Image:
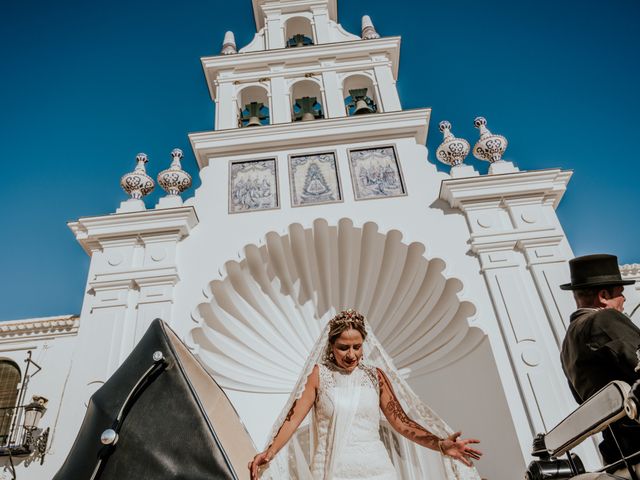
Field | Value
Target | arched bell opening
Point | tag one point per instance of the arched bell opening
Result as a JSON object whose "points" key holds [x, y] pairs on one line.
{"points": [[360, 95], [306, 101], [253, 106], [267, 309], [298, 32]]}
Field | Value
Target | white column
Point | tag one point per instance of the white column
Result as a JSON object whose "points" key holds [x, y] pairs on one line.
{"points": [[280, 107], [226, 106], [275, 33], [387, 87], [321, 25], [522, 251], [333, 95]]}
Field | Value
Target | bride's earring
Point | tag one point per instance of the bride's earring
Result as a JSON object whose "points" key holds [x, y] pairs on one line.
{"points": [[332, 357]]}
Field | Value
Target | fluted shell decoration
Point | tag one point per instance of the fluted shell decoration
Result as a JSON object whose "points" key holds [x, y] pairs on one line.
{"points": [[265, 311], [174, 180], [138, 183], [229, 44], [452, 151], [489, 147], [368, 31]]}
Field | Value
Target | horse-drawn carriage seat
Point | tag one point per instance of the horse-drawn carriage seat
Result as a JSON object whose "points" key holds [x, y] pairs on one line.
{"points": [[160, 416], [613, 402]]}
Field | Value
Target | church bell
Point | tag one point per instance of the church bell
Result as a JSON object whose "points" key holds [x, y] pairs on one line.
{"points": [[252, 115], [307, 109], [360, 102], [362, 107], [253, 122]]}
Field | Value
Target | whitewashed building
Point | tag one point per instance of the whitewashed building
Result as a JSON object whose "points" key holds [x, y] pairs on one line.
{"points": [[317, 195]]}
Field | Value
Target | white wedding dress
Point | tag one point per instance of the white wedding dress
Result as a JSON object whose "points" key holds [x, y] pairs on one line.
{"points": [[348, 414], [344, 432]]}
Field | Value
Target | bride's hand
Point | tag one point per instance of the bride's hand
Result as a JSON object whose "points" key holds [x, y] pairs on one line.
{"points": [[258, 461], [457, 448]]}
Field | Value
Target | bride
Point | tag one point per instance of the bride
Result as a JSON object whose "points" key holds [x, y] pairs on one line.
{"points": [[347, 393]]}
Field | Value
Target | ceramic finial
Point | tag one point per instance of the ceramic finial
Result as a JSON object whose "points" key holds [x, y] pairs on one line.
{"points": [[489, 146], [174, 180], [452, 151], [138, 183]]}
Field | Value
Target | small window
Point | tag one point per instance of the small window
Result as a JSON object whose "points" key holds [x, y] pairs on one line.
{"points": [[9, 381]]}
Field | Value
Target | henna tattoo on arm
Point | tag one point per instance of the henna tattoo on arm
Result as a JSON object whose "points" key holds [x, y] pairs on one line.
{"points": [[400, 421], [287, 418]]}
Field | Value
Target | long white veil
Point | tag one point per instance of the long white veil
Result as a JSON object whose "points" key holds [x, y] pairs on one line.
{"points": [[410, 460]]}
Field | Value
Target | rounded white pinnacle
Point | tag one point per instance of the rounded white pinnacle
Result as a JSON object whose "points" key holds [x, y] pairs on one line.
{"points": [[229, 44], [366, 22], [229, 38], [368, 30]]}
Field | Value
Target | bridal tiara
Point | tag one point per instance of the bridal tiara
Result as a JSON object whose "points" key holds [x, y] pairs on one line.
{"points": [[347, 316]]}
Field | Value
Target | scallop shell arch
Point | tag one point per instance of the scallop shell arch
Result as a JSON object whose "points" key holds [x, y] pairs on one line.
{"points": [[265, 313]]}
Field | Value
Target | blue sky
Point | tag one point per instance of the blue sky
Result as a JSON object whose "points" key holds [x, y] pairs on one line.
{"points": [[84, 86]]}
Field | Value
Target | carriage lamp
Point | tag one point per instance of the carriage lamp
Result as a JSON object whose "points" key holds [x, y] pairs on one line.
{"points": [[33, 412], [33, 442]]}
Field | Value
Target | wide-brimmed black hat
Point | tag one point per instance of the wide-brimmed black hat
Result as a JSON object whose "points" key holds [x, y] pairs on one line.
{"points": [[594, 271]]}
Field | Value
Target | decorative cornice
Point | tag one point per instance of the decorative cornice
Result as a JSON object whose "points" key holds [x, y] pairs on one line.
{"points": [[91, 232], [309, 55], [549, 184], [39, 327], [523, 238], [128, 279], [287, 136], [630, 271]]}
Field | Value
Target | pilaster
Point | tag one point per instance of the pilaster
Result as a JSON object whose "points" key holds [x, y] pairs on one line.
{"points": [[320, 24], [131, 281], [274, 32], [132, 274], [523, 251], [333, 94], [226, 107], [280, 104], [387, 85]]}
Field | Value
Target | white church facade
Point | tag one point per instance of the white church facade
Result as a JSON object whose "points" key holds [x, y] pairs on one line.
{"points": [[317, 195]]}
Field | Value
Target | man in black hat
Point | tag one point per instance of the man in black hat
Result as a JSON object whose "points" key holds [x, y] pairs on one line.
{"points": [[601, 342]]}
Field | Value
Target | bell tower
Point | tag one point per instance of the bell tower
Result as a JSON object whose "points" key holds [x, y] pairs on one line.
{"points": [[301, 66]]}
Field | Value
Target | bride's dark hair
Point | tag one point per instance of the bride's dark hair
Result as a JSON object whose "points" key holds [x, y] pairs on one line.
{"points": [[345, 320]]}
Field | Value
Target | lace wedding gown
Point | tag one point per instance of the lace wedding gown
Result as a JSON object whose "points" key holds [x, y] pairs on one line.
{"points": [[348, 414], [344, 429]]}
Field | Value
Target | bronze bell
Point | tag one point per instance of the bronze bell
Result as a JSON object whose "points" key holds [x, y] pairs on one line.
{"points": [[360, 102], [308, 109], [362, 107], [253, 122], [253, 115], [296, 41]]}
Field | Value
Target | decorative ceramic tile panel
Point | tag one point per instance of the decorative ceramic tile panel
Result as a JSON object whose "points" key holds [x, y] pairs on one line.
{"points": [[375, 173], [253, 185], [314, 179]]}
